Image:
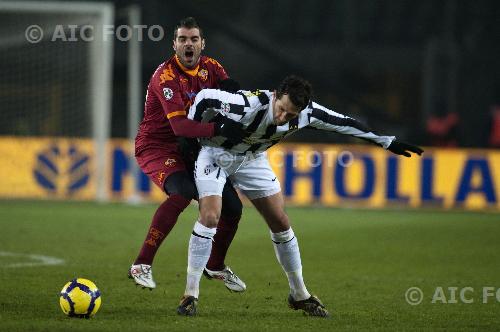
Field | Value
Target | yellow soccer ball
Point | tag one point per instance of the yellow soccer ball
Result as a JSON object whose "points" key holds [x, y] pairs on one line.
{"points": [[80, 298]]}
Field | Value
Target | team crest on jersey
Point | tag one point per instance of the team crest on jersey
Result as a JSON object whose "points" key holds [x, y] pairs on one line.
{"points": [[225, 107], [168, 93], [209, 169], [203, 74]]}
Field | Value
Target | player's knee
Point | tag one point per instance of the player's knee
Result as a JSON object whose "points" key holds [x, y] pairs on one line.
{"points": [[283, 220], [210, 218], [279, 222]]}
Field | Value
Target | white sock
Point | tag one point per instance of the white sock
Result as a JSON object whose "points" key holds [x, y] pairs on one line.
{"points": [[287, 252], [200, 246]]}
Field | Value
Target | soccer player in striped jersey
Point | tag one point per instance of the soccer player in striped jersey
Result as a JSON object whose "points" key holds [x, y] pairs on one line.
{"points": [[267, 117]]}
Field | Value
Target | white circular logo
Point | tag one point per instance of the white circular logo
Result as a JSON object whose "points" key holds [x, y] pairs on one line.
{"points": [[33, 34], [168, 93], [225, 159], [414, 296]]}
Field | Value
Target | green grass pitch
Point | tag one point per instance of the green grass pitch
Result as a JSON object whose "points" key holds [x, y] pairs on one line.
{"points": [[359, 262]]}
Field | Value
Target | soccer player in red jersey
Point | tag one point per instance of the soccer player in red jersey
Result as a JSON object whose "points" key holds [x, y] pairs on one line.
{"points": [[160, 155]]}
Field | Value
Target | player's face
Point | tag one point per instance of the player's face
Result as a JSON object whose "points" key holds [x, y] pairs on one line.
{"points": [[284, 110], [188, 46]]}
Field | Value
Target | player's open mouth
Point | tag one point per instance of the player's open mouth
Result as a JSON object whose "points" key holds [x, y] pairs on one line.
{"points": [[189, 55]]}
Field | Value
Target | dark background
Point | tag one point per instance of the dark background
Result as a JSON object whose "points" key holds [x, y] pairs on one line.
{"points": [[372, 60], [426, 71]]}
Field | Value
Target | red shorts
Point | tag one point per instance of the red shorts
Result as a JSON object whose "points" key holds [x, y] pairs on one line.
{"points": [[158, 163]]}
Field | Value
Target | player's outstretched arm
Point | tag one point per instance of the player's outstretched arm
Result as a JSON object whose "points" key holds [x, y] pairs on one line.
{"points": [[321, 117], [404, 149]]}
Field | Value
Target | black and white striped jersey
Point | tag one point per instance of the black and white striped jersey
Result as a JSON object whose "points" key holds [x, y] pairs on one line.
{"points": [[254, 111]]}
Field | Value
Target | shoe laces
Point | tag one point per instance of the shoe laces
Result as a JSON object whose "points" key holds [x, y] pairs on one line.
{"points": [[146, 270], [230, 273]]}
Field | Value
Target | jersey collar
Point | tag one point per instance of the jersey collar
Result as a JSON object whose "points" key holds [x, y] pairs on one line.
{"points": [[192, 72]]}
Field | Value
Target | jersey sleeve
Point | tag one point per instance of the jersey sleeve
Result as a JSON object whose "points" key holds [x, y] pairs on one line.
{"points": [[320, 117], [211, 102], [221, 72], [168, 92], [217, 69]]}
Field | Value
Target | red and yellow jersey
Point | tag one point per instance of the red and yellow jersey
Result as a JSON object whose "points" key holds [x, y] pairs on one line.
{"points": [[171, 90]]}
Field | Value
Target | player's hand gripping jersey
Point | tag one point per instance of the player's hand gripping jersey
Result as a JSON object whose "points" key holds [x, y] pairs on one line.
{"points": [[254, 111]]}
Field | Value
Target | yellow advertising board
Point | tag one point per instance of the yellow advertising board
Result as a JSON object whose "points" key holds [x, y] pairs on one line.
{"points": [[326, 175], [47, 168], [353, 175]]}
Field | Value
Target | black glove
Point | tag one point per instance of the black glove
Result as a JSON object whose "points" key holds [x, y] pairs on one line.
{"points": [[402, 148], [189, 148], [230, 129], [229, 85]]}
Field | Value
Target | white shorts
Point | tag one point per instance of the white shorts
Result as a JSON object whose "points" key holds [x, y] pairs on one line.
{"points": [[250, 173]]}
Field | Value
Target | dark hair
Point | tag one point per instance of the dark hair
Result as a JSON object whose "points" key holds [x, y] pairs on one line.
{"points": [[188, 23], [298, 90]]}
